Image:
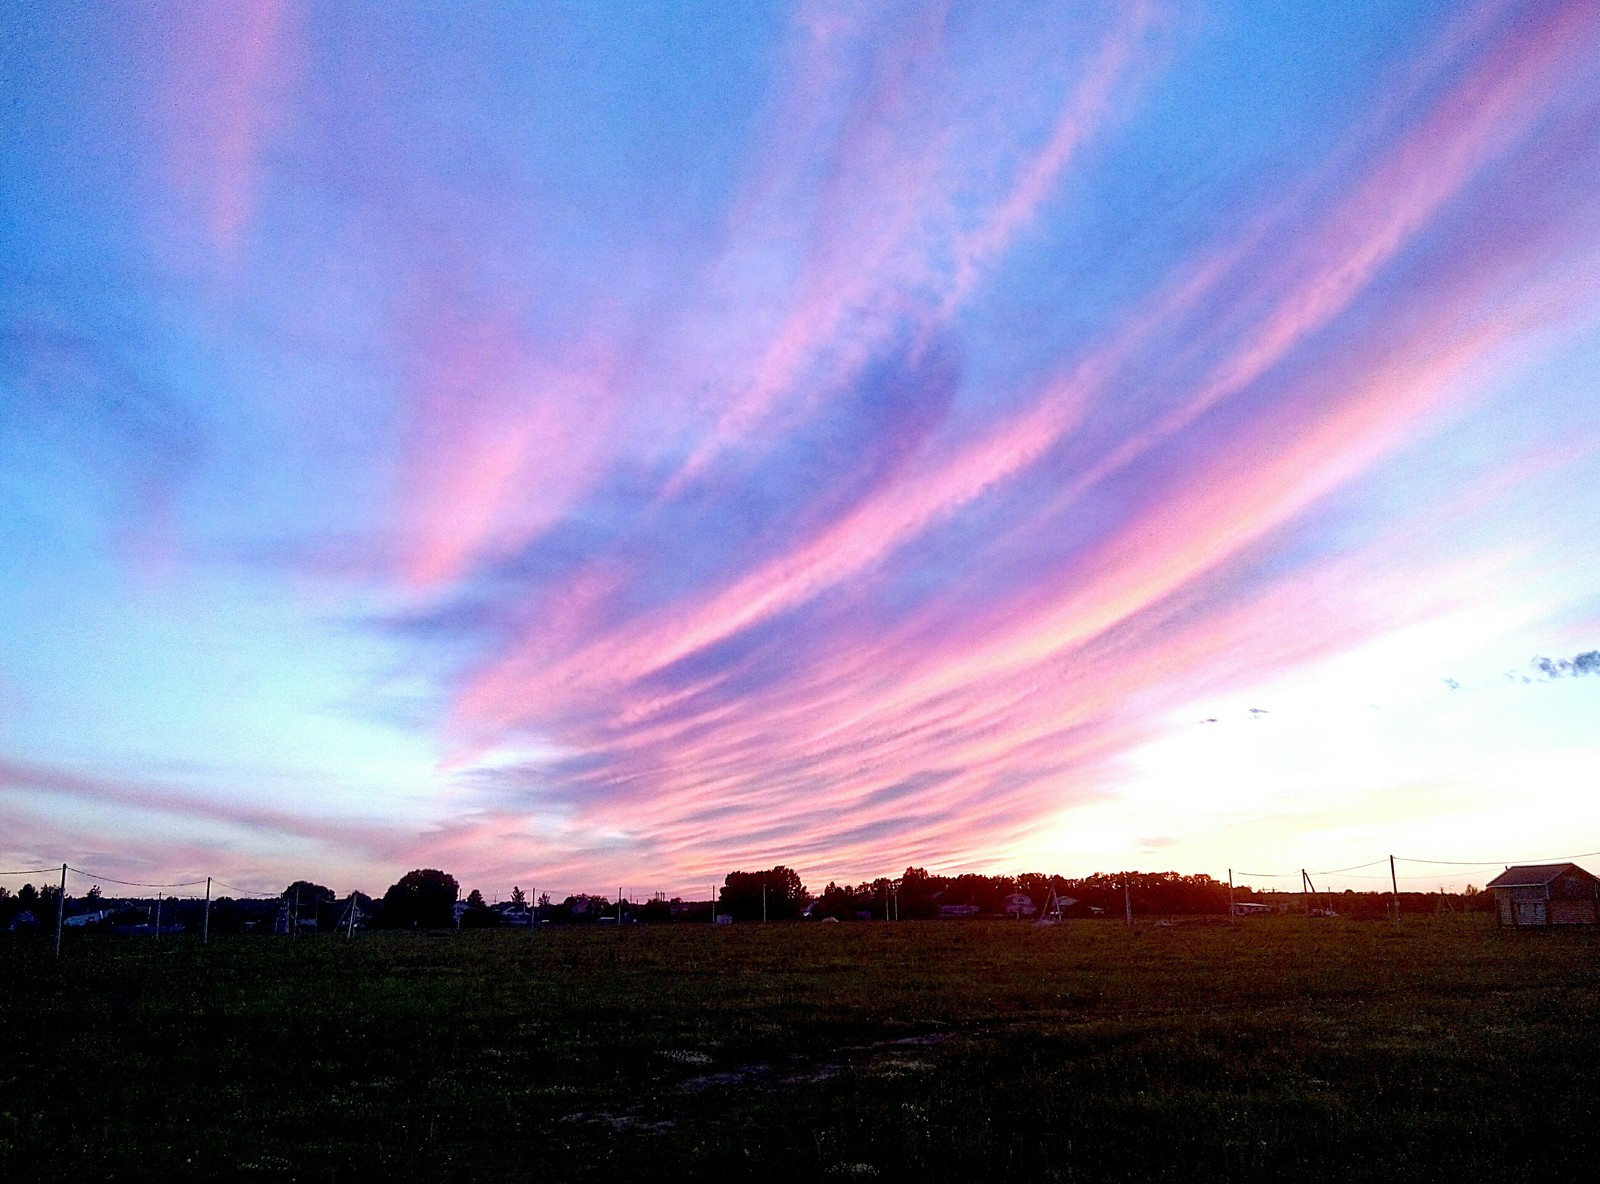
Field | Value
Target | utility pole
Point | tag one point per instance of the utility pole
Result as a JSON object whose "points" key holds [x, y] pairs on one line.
{"points": [[61, 909], [205, 925], [619, 908], [158, 915], [1232, 917], [1394, 889], [763, 904], [1127, 901], [350, 925], [1305, 891]]}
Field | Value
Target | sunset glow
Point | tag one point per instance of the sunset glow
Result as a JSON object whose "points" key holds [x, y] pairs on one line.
{"points": [[583, 445]]}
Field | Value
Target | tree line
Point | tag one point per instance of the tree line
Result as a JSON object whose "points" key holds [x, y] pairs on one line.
{"points": [[427, 898]]}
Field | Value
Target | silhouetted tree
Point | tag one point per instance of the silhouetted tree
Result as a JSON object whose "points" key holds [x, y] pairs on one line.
{"points": [[309, 903], [655, 911], [919, 893], [837, 901], [987, 892], [478, 915], [741, 895], [579, 909], [421, 899]]}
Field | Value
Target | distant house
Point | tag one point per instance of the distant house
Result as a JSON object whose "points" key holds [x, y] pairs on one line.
{"points": [[958, 910], [1019, 905], [515, 915], [1250, 908], [1546, 894]]}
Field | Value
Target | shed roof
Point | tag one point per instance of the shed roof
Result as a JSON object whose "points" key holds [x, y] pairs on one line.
{"points": [[1535, 875]]}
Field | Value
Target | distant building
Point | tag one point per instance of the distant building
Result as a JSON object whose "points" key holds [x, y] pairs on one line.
{"points": [[1250, 908], [1019, 905], [515, 915], [958, 910], [1546, 894]]}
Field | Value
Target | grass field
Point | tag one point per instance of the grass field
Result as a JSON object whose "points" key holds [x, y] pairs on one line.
{"points": [[1283, 1049]]}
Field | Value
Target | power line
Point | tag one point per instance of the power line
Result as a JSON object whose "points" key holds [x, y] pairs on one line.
{"points": [[1334, 871], [244, 891], [32, 871], [134, 883], [1461, 863], [1497, 862]]}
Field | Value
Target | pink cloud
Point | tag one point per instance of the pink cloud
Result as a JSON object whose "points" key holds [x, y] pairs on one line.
{"points": [[893, 218], [1381, 212], [344, 835], [504, 432], [225, 97], [1006, 703]]}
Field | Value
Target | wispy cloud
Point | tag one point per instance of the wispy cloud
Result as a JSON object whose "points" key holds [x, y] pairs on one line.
{"points": [[834, 504], [228, 74], [671, 704]]}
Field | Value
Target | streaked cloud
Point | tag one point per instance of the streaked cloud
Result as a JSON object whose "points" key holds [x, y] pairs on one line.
{"points": [[931, 434]]}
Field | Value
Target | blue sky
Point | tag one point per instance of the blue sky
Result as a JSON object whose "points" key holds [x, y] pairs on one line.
{"points": [[587, 443]]}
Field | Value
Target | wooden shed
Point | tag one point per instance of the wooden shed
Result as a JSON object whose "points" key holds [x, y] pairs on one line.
{"points": [[1546, 894]]}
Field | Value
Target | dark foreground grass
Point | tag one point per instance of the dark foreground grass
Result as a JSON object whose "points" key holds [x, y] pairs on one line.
{"points": [[1284, 1049]]}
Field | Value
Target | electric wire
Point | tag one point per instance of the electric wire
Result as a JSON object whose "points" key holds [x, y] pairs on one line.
{"points": [[134, 883], [1334, 871], [243, 891], [1499, 862]]}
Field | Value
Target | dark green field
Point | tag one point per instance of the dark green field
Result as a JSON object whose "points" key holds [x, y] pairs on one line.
{"points": [[1283, 1049]]}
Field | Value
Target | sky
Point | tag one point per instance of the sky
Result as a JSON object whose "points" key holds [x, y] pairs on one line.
{"points": [[583, 445]]}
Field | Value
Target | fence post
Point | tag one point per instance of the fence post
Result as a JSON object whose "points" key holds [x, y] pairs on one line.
{"points": [[61, 908]]}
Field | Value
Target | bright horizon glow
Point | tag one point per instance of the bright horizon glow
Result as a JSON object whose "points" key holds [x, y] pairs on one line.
{"points": [[578, 449]]}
